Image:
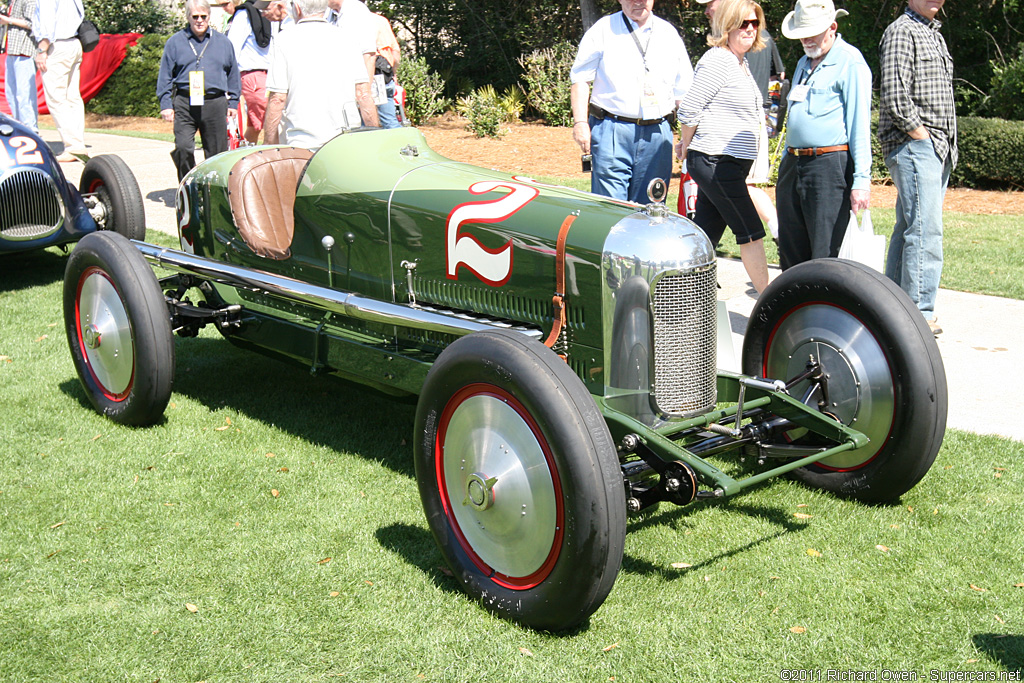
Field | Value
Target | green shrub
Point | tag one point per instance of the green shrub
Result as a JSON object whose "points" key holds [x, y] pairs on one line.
{"points": [[485, 112], [133, 16], [546, 73], [512, 103], [991, 153], [131, 90], [424, 90], [1006, 96]]}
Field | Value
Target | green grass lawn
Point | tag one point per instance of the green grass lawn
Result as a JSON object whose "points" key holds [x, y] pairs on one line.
{"points": [[283, 509]]}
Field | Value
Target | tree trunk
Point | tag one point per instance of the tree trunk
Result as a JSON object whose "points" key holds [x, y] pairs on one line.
{"points": [[588, 11]]}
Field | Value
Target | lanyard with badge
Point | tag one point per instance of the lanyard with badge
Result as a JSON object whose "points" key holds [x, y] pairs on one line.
{"points": [[649, 98], [799, 92], [196, 77]]}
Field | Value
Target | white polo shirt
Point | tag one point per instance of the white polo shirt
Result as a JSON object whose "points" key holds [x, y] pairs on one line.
{"points": [[320, 102]]}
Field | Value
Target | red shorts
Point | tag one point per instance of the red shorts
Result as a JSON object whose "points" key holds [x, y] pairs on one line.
{"points": [[254, 92]]}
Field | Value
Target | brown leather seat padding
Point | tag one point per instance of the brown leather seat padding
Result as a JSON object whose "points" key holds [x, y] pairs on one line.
{"points": [[261, 191]]}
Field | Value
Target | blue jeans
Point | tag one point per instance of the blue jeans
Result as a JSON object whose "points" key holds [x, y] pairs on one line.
{"points": [[20, 87], [914, 261], [386, 112], [627, 157]]}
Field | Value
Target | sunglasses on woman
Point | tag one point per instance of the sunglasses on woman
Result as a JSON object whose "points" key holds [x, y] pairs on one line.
{"points": [[750, 23]]}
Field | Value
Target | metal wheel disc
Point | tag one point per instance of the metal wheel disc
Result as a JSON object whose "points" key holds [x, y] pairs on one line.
{"points": [[860, 384], [105, 334], [499, 485]]}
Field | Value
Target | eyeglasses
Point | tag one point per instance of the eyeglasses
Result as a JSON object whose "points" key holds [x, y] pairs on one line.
{"points": [[750, 23], [200, 17]]}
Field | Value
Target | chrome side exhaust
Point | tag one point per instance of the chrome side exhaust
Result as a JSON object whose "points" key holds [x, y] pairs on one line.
{"points": [[342, 303]]}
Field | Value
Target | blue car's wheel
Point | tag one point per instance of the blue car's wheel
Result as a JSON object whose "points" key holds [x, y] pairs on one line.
{"points": [[111, 181], [520, 480], [118, 329]]}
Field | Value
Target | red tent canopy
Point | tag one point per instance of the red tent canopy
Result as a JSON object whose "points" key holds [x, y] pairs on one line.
{"points": [[97, 66]]}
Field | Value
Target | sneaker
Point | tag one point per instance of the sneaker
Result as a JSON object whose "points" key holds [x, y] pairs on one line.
{"points": [[66, 157], [933, 325]]}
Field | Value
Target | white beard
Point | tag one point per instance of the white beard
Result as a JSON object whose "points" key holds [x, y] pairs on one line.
{"points": [[814, 52]]}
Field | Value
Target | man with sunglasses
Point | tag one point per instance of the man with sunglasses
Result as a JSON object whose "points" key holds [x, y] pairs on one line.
{"points": [[198, 87], [826, 169]]}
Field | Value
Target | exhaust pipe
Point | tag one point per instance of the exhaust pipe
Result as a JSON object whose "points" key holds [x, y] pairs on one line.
{"points": [[334, 301]]}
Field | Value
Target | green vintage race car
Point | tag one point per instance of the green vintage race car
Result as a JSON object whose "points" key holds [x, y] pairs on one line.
{"points": [[561, 347]]}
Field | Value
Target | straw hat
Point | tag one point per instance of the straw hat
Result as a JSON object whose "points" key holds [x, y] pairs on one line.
{"points": [[810, 18]]}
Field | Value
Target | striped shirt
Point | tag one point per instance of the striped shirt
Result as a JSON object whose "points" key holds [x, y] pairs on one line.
{"points": [[724, 104], [917, 85]]}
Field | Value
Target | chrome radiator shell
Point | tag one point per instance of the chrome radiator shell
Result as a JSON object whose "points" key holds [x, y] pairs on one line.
{"points": [[659, 286], [30, 205]]}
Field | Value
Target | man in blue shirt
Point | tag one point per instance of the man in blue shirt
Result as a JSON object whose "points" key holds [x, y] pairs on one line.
{"points": [[826, 169], [198, 87]]}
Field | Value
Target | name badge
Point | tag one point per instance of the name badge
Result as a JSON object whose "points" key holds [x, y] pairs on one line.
{"points": [[649, 100], [196, 88], [379, 90], [798, 93]]}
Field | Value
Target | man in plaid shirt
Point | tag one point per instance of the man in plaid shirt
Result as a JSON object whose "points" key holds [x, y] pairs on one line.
{"points": [[20, 75], [917, 129]]}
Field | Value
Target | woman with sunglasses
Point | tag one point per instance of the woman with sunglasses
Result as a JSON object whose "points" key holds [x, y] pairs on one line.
{"points": [[721, 118]]}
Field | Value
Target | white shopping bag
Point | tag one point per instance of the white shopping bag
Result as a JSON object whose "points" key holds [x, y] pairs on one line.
{"points": [[862, 245]]}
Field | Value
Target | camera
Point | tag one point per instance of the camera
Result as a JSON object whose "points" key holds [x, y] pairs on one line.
{"points": [[587, 161]]}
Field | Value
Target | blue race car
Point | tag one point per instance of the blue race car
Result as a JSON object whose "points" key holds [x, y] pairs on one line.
{"points": [[39, 208]]}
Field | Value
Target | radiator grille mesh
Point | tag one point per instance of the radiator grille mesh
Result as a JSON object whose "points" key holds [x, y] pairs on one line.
{"points": [[685, 342], [30, 205]]}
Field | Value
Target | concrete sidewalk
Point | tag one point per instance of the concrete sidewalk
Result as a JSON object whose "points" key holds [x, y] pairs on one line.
{"points": [[981, 344], [982, 341]]}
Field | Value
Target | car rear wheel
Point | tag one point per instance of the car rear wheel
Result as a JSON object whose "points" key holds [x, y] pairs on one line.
{"points": [[885, 374], [112, 182], [118, 329], [520, 480]]}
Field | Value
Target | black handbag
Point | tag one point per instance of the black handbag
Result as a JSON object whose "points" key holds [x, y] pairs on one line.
{"points": [[88, 36], [383, 66]]}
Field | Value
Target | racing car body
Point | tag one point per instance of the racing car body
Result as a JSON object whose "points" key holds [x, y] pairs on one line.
{"points": [[39, 208], [560, 346]]}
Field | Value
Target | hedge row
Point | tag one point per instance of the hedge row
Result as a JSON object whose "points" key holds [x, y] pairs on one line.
{"points": [[991, 153], [991, 150], [131, 90]]}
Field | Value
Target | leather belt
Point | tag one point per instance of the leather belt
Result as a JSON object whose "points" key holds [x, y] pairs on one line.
{"points": [[213, 95], [600, 113], [816, 151], [249, 71]]}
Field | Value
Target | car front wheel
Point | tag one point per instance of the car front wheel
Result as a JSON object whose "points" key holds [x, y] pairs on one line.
{"points": [[110, 180], [118, 329], [884, 374], [520, 480]]}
